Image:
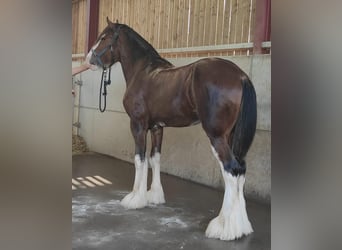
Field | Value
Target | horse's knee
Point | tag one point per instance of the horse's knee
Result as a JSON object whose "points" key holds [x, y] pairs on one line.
{"points": [[234, 168]]}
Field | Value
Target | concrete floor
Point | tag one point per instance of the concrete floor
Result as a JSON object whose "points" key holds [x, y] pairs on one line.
{"points": [[99, 221]]}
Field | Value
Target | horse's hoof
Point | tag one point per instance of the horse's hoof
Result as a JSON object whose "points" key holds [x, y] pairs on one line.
{"points": [[134, 200], [155, 196], [215, 228], [228, 228]]}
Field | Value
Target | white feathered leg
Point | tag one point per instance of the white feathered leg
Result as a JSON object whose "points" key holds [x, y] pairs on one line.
{"points": [[232, 221], [138, 197], [156, 194]]}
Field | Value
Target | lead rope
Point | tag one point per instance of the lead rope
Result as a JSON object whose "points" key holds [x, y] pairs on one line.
{"points": [[104, 83]]}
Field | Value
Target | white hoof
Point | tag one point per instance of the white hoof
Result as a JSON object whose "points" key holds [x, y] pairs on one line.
{"points": [[230, 228], [155, 196], [134, 200]]}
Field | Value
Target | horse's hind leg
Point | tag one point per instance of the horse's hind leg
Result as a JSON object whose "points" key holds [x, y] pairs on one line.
{"points": [[232, 221], [156, 194], [138, 197]]}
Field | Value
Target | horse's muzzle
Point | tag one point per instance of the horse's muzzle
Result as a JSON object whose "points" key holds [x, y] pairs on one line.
{"points": [[93, 60]]}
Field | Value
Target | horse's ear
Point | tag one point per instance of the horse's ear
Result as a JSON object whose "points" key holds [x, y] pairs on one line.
{"points": [[108, 21]]}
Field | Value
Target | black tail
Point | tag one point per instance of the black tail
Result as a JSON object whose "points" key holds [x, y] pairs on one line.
{"points": [[244, 130]]}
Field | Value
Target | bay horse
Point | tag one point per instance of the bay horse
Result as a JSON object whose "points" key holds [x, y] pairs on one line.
{"points": [[210, 91]]}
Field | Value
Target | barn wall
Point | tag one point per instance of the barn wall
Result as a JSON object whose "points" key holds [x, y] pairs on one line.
{"points": [[186, 151], [79, 26], [175, 23]]}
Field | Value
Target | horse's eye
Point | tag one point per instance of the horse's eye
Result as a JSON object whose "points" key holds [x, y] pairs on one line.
{"points": [[103, 38]]}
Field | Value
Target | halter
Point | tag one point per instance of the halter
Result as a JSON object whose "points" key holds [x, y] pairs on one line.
{"points": [[109, 46], [104, 80]]}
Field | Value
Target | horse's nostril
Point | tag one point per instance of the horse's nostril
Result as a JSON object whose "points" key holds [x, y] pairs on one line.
{"points": [[92, 60]]}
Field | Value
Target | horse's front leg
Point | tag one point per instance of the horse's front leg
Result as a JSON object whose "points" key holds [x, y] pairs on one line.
{"points": [[138, 197], [156, 194]]}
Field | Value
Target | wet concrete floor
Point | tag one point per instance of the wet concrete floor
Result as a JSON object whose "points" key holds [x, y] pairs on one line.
{"points": [[100, 222]]}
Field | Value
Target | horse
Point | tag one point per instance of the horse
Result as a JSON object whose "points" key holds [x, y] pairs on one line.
{"points": [[211, 91]]}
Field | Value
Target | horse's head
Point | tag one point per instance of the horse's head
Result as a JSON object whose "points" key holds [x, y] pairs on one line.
{"points": [[105, 51]]}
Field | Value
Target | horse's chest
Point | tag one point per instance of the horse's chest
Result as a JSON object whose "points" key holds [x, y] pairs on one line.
{"points": [[134, 105]]}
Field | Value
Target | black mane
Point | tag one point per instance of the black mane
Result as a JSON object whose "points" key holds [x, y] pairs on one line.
{"points": [[145, 48]]}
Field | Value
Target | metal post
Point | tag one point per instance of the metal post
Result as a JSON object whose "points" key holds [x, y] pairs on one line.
{"points": [[93, 7], [262, 30]]}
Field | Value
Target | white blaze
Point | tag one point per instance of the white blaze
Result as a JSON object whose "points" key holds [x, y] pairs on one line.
{"points": [[90, 53]]}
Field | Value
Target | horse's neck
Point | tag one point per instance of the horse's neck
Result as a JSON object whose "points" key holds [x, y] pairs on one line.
{"points": [[127, 67], [128, 64]]}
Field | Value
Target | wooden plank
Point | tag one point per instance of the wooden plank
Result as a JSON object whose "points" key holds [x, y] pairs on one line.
{"points": [[207, 13], [239, 22], [130, 11], [193, 5], [175, 20], [143, 18], [78, 28], [118, 12], [159, 28], [242, 15], [238, 26], [83, 26], [166, 34], [245, 21], [212, 22], [135, 10], [125, 11], [101, 13], [156, 24], [104, 15], [180, 23], [74, 27], [252, 21], [219, 23], [137, 19], [226, 22], [180, 31], [80, 31], [185, 30], [163, 25], [152, 23], [147, 15], [200, 29], [140, 14], [112, 9], [107, 12], [233, 17], [121, 12]]}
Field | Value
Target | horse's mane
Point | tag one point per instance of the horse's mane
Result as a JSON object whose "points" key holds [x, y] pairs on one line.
{"points": [[146, 49]]}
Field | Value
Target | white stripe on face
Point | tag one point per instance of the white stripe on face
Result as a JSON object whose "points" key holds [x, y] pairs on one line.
{"points": [[90, 53]]}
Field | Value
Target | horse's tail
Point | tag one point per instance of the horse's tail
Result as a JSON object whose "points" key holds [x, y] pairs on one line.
{"points": [[245, 126]]}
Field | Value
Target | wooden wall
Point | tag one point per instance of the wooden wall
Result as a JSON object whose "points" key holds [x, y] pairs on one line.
{"points": [[79, 26], [179, 23]]}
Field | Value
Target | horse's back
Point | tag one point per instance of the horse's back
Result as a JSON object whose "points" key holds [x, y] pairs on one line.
{"points": [[217, 68]]}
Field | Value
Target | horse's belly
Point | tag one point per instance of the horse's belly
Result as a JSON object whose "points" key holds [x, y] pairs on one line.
{"points": [[177, 121]]}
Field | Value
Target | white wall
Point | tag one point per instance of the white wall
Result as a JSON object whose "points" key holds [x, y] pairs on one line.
{"points": [[185, 151]]}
